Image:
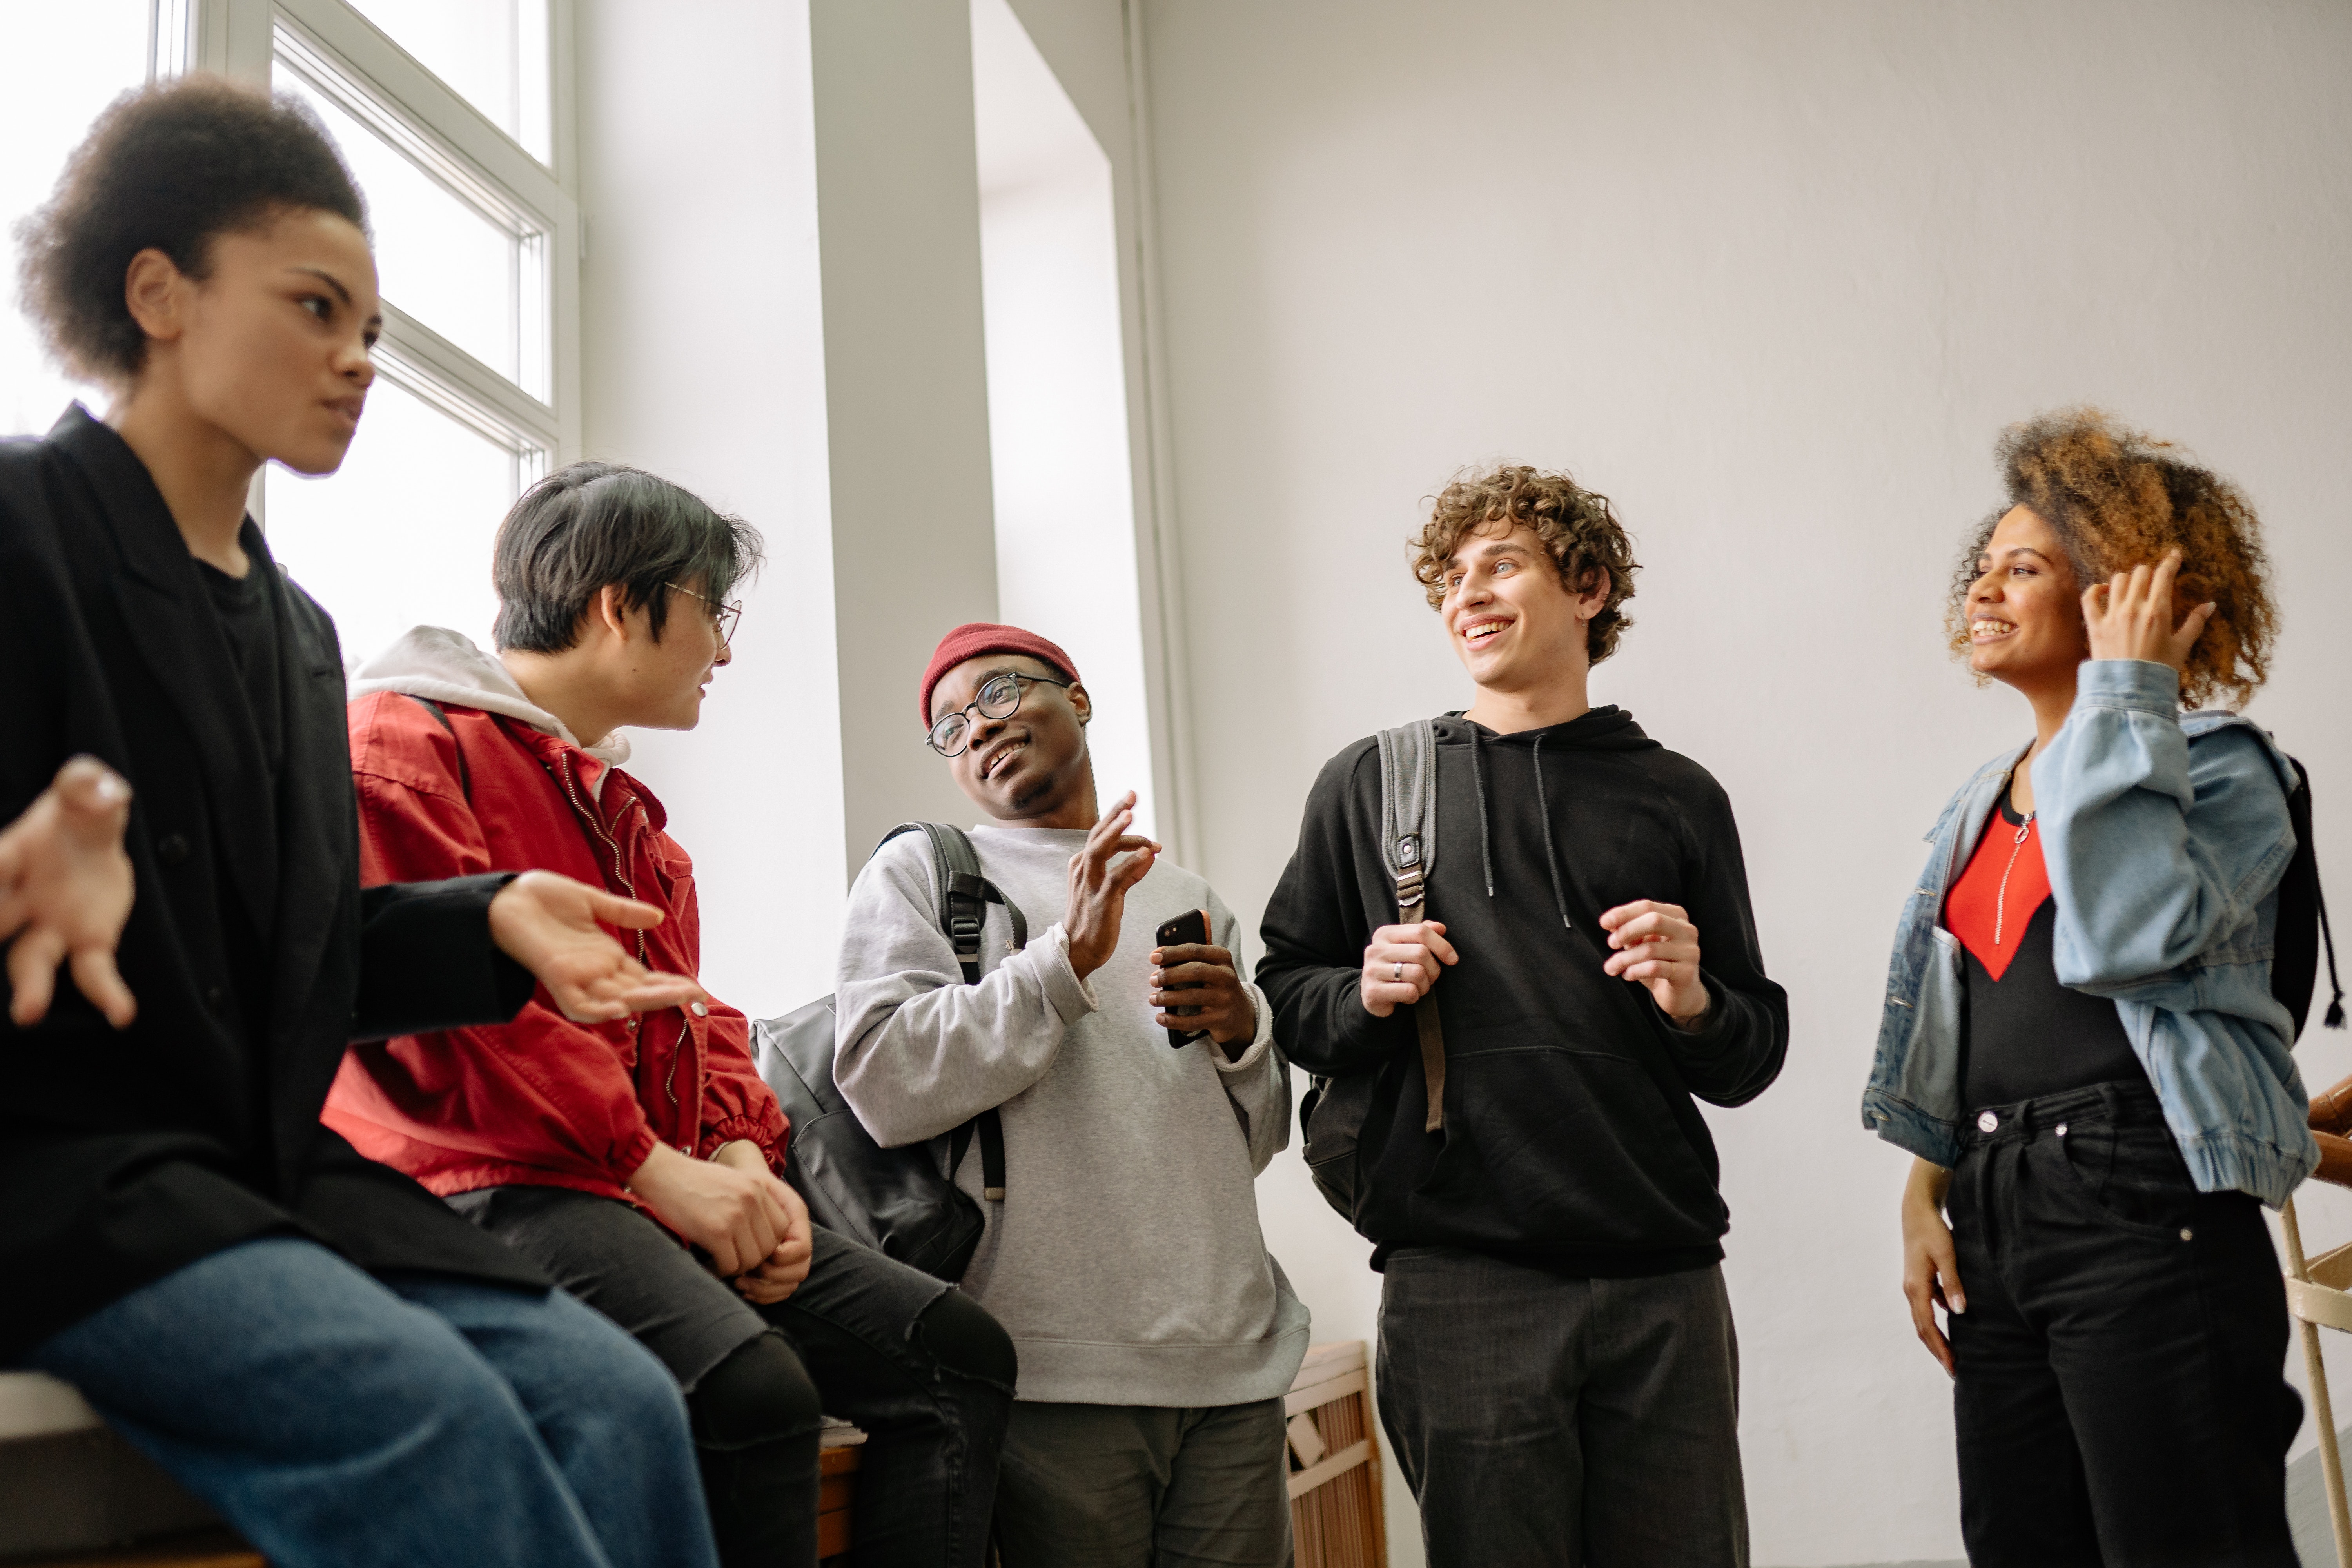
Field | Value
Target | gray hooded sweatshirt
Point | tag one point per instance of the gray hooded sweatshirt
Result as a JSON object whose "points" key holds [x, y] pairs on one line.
{"points": [[1126, 1259]]}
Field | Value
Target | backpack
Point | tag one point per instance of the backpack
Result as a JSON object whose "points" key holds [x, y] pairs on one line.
{"points": [[2301, 929], [902, 1202], [1333, 1112]]}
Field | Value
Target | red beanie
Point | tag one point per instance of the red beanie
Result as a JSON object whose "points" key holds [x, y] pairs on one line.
{"points": [[976, 638]]}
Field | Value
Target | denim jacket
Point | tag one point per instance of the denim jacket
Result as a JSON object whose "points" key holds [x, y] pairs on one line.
{"points": [[2166, 836]]}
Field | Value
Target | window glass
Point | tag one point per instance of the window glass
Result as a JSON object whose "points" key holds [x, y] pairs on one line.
{"points": [[60, 66], [400, 536], [438, 256], [491, 53]]}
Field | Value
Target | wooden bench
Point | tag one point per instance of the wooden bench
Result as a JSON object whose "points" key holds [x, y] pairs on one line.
{"points": [[59, 1462], [1336, 1518]]}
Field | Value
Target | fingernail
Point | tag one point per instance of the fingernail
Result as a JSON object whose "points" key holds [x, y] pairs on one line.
{"points": [[1959, 1304]]}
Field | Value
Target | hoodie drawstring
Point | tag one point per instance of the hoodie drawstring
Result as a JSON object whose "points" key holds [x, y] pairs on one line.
{"points": [[1478, 788], [1551, 857]]}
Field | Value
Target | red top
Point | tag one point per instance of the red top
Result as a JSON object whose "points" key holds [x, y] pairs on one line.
{"points": [[1994, 900], [540, 1100]]}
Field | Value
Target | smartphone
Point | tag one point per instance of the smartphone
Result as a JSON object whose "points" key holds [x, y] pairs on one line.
{"points": [[1192, 926]]}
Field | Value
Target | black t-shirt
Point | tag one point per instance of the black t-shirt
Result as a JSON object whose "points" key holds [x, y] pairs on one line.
{"points": [[247, 613], [2026, 1034]]}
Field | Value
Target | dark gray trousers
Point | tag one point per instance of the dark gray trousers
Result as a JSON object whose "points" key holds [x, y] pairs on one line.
{"points": [[1136, 1485], [1545, 1419]]}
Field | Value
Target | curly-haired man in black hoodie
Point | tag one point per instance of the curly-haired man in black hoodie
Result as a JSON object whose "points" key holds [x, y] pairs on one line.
{"points": [[1557, 1368]]}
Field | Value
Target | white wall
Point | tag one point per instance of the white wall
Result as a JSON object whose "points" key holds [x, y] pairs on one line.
{"points": [[703, 360], [1772, 278], [1057, 414]]}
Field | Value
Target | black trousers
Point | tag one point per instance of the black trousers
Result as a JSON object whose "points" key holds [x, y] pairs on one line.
{"points": [[2120, 1400], [1541, 1419], [917, 1364]]}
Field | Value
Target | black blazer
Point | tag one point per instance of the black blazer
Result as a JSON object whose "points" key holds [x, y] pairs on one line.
{"points": [[126, 1155]]}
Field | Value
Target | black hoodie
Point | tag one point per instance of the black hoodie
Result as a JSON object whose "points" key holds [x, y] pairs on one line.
{"points": [[1571, 1139]]}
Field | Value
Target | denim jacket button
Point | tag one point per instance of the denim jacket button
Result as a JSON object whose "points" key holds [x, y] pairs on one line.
{"points": [[1987, 1122], [2060, 1130], [2186, 1234]]}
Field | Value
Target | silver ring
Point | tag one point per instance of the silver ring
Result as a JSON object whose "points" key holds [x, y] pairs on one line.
{"points": [[1399, 977]]}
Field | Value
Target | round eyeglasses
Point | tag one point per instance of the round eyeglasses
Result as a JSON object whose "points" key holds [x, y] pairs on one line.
{"points": [[999, 697], [724, 617]]}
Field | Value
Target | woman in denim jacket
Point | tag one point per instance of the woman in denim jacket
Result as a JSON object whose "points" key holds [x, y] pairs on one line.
{"points": [[2080, 1045]]}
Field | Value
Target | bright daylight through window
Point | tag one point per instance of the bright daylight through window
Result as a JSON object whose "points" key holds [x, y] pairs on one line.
{"points": [[443, 110]]}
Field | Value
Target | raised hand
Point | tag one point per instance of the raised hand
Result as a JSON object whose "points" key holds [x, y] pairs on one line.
{"points": [[737, 1216], [1400, 963], [66, 891], [548, 923], [1098, 885], [2129, 615], [1203, 976], [1657, 948]]}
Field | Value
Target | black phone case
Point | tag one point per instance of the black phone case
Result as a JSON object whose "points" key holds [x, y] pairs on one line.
{"points": [[1192, 926]]}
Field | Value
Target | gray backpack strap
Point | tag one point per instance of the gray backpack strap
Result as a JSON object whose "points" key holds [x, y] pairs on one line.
{"points": [[1409, 847]]}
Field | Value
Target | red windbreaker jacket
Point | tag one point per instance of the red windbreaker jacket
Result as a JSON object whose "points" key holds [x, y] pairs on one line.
{"points": [[541, 1099]]}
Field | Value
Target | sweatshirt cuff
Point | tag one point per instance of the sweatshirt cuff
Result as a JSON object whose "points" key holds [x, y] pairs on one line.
{"points": [[2131, 684], [1066, 991], [1261, 1043], [1715, 1023]]}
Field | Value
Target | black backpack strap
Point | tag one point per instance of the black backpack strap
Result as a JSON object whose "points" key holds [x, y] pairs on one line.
{"points": [[2303, 932], [964, 896], [464, 775]]}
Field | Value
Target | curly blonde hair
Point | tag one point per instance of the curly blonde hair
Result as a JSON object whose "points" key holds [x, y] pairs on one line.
{"points": [[2118, 497], [1577, 526]]}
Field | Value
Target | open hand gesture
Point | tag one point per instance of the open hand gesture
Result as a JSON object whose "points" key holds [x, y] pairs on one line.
{"points": [[66, 890], [548, 923], [2129, 615], [1098, 885], [1657, 948]]}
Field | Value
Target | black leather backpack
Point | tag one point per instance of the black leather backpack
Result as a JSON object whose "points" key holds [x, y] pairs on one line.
{"points": [[902, 1202]]}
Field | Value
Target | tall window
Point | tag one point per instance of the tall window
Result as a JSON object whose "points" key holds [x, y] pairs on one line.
{"points": [[447, 112], [61, 65]]}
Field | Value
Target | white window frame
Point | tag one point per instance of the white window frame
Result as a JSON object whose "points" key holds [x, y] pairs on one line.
{"points": [[456, 145]]}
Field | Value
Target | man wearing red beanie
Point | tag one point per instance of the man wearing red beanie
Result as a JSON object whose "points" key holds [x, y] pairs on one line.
{"points": [[1156, 1336]]}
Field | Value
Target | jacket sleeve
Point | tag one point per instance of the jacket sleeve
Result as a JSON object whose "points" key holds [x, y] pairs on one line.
{"points": [[1315, 931], [1738, 1047], [2157, 850], [568, 1081], [737, 1103], [1257, 1081], [426, 960], [917, 1052]]}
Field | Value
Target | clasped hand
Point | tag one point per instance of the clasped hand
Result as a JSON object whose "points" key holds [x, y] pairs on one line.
{"points": [[755, 1227]]}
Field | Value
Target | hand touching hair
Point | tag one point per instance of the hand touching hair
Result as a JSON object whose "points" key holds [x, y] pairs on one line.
{"points": [[2119, 498]]}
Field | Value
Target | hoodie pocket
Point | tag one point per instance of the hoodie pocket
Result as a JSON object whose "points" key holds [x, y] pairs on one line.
{"points": [[1551, 1143]]}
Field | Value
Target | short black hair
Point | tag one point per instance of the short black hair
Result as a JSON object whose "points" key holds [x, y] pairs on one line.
{"points": [[168, 167], [595, 525]]}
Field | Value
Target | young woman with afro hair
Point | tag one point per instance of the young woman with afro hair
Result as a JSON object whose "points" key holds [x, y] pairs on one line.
{"points": [[2080, 1048], [346, 1370]]}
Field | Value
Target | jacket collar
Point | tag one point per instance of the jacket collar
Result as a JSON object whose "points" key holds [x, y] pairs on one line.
{"points": [[176, 635]]}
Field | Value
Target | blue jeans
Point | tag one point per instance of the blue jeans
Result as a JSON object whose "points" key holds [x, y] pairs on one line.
{"points": [[336, 1419]]}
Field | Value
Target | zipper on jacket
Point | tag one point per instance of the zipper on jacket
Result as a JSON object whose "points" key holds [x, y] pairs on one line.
{"points": [[564, 776]]}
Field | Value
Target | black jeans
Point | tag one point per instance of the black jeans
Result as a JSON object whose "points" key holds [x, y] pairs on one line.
{"points": [[917, 1364], [2120, 1399], [1544, 1419]]}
